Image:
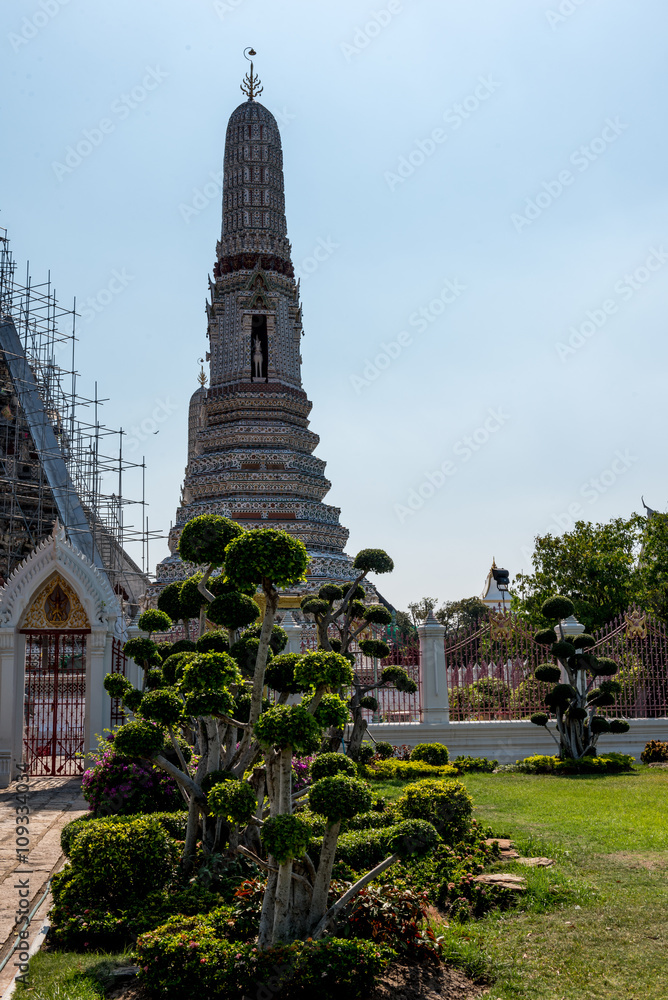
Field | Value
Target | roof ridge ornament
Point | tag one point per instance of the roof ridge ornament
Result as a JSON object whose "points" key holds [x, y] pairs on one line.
{"points": [[251, 85]]}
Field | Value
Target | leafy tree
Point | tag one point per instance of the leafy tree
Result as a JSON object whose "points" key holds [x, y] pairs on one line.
{"points": [[575, 702], [470, 612], [420, 609], [597, 564]]}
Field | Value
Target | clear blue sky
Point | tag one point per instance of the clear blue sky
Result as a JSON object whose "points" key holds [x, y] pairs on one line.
{"points": [[507, 147]]}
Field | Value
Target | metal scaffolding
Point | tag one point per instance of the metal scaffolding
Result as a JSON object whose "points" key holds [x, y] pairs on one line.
{"points": [[57, 460]]}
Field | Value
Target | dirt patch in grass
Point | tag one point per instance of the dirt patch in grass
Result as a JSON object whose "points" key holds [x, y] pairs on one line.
{"points": [[647, 860], [425, 982]]}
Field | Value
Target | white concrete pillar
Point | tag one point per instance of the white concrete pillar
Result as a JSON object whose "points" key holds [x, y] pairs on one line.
{"points": [[435, 707], [294, 631], [98, 704], [8, 714]]}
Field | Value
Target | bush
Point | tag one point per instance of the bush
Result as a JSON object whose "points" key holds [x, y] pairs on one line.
{"points": [[482, 764], [608, 763], [174, 823], [384, 750], [431, 753], [384, 770], [655, 752], [365, 753], [395, 917], [446, 804], [119, 861], [186, 958], [362, 849], [118, 785]]}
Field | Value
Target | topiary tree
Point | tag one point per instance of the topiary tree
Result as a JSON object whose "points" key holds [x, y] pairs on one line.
{"points": [[341, 608], [239, 787], [574, 700]]}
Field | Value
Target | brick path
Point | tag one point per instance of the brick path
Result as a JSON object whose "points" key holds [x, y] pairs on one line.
{"points": [[53, 802]]}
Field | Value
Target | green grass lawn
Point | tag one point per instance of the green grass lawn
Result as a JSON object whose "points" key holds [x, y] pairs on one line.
{"points": [[69, 976], [609, 835]]}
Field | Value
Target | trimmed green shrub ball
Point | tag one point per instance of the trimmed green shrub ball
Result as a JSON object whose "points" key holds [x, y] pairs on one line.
{"points": [[116, 685], [266, 554], [545, 637], [540, 719], [619, 726], [373, 561], [183, 646], [209, 703], [322, 668], [562, 693], [339, 797], [209, 672], [605, 667], [139, 739], [375, 648], [285, 837], [215, 778], [444, 803], [369, 702], [163, 707], [154, 620], [562, 649], [154, 679], [233, 610], [365, 753], [583, 641], [214, 641], [288, 725], [599, 725], [280, 673], [132, 699], [431, 753], [399, 678], [204, 539], [332, 712], [384, 750], [548, 672], [233, 800], [169, 600], [556, 608], [330, 592], [575, 712], [326, 765], [378, 614], [142, 650], [314, 606], [414, 838]]}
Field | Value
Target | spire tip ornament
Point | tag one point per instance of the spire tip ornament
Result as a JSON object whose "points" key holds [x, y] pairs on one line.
{"points": [[251, 85], [202, 378]]}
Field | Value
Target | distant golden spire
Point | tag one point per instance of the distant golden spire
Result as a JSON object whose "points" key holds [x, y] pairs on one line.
{"points": [[201, 378], [251, 85]]}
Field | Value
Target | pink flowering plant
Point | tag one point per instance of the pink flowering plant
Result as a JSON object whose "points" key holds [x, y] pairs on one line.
{"points": [[118, 785]]}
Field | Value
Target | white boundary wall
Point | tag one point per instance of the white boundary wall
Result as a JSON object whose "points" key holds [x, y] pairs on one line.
{"points": [[503, 741]]}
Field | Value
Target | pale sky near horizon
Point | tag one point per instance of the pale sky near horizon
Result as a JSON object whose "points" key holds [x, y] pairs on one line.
{"points": [[476, 199]]}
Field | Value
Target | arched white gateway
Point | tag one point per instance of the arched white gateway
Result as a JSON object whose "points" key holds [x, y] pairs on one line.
{"points": [[58, 620]]}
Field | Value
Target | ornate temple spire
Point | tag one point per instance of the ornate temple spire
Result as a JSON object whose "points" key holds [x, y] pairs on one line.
{"points": [[251, 85]]}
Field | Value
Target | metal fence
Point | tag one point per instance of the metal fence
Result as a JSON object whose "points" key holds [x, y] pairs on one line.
{"points": [[490, 669]]}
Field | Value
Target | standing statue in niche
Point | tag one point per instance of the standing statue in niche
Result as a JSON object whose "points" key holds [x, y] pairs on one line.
{"points": [[258, 358]]}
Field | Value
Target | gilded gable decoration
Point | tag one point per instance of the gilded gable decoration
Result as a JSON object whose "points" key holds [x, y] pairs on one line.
{"points": [[55, 606]]}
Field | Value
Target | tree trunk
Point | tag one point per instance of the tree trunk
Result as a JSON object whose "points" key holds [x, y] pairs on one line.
{"points": [[359, 729], [324, 874], [243, 756], [282, 904], [267, 915], [347, 896]]}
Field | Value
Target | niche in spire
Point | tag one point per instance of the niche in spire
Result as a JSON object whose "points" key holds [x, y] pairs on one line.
{"points": [[259, 348]]}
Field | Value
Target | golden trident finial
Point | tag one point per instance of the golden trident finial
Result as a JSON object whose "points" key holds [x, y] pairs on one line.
{"points": [[201, 378], [251, 85]]}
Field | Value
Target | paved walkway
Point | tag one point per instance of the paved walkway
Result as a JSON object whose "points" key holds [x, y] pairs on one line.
{"points": [[53, 802]]}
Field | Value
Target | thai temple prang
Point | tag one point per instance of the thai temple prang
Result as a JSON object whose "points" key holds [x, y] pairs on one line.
{"points": [[250, 450]]}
